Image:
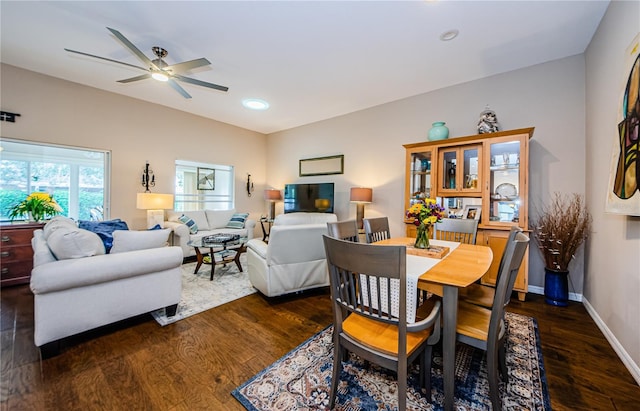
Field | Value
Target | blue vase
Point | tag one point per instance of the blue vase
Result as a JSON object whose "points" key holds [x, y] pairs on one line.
{"points": [[439, 131], [556, 287]]}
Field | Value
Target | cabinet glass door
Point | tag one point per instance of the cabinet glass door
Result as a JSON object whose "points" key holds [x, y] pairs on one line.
{"points": [[420, 183], [460, 170], [505, 182], [448, 169]]}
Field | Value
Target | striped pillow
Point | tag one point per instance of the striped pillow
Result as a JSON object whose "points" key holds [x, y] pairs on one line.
{"points": [[193, 227], [237, 220]]}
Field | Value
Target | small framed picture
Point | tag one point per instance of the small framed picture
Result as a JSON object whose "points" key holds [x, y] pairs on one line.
{"points": [[206, 179], [472, 212]]}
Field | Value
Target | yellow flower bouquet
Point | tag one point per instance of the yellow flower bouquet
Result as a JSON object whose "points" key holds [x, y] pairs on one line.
{"points": [[425, 214], [37, 206]]}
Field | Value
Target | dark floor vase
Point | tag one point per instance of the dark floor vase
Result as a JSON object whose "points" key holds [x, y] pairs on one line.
{"points": [[556, 287]]}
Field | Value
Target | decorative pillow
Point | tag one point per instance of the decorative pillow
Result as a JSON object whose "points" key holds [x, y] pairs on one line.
{"points": [[237, 220], [124, 241], [74, 243], [104, 229], [193, 227], [57, 223]]}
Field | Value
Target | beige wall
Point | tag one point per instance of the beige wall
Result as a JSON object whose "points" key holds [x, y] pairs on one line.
{"points": [[61, 112], [549, 97], [612, 280]]}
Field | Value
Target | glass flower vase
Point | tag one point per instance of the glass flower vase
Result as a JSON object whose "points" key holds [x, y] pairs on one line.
{"points": [[422, 236]]}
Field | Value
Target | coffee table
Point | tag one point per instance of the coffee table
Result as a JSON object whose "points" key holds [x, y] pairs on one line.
{"points": [[219, 253]]}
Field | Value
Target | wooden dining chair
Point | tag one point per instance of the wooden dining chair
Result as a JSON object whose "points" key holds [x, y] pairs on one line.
{"points": [[451, 229], [376, 229], [344, 230], [480, 294], [456, 229], [357, 275], [485, 328]]}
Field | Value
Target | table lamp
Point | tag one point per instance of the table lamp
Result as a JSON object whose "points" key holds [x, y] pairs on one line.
{"points": [[272, 196], [360, 196], [155, 204]]}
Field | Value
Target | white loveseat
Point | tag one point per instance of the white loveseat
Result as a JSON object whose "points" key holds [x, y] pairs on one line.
{"points": [[84, 288], [294, 259], [208, 221]]}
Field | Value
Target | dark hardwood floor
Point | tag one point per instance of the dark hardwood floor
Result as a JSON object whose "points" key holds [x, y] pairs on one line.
{"points": [[195, 363]]}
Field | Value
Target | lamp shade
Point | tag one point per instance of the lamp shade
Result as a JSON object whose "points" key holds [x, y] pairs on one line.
{"points": [[272, 195], [361, 195], [153, 201]]}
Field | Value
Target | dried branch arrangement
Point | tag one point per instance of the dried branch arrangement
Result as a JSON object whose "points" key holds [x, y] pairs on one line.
{"points": [[561, 227]]}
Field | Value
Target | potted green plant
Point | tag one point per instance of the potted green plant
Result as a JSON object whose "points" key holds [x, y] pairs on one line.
{"points": [[36, 207], [560, 229]]}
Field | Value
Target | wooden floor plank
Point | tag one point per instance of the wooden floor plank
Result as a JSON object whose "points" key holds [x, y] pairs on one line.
{"points": [[195, 363]]}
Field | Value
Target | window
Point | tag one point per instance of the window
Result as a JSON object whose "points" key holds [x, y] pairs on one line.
{"points": [[76, 177], [201, 186]]}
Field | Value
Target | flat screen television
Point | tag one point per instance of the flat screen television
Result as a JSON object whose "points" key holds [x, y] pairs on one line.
{"points": [[316, 198]]}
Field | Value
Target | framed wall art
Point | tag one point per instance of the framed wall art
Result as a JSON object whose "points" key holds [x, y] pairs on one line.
{"points": [[206, 178], [321, 166], [623, 191]]}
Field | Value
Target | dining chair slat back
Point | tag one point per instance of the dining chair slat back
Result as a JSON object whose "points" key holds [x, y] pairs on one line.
{"points": [[376, 229], [362, 277], [480, 294], [344, 230], [456, 229], [485, 329]]}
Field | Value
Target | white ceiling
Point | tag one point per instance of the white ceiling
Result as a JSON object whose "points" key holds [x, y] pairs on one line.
{"points": [[310, 60]]}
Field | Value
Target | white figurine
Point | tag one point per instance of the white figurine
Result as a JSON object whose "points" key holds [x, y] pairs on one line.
{"points": [[488, 122]]}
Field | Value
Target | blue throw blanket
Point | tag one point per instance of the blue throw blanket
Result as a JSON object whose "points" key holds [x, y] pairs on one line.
{"points": [[104, 229]]}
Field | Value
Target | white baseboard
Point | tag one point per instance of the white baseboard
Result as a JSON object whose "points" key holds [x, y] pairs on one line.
{"points": [[633, 368], [540, 290]]}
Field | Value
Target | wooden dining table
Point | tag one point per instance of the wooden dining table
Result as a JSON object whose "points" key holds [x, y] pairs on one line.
{"points": [[460, 268]]}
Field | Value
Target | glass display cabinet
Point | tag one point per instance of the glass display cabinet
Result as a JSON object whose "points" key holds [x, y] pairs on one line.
{"points": [[487, 171]]}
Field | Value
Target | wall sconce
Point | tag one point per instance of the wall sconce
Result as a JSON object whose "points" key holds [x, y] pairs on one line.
{"points": [[360, 196], [155, 204], [272, 196], [249, 185], [148, 179]]}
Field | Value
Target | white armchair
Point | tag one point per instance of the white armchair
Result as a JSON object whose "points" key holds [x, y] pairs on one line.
{"points": [[293, 259]]}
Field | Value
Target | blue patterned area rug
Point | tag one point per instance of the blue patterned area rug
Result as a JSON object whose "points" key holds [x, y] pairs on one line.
{"points": [[301, 379]]}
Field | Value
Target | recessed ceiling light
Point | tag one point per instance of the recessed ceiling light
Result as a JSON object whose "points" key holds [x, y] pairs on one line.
{"points": [[255, 104], [449, 35]]}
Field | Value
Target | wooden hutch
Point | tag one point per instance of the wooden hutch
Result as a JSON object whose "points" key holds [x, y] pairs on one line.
{"points": [[488, 173]]}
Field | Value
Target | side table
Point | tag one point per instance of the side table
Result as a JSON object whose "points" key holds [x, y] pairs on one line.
{"points": [[268, 222]]}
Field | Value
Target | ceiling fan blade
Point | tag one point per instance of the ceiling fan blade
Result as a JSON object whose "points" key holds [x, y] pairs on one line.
{"points": [[200, 83], [178, 88], [187, 65], [133, 48], [104, 58], [129, 80]]}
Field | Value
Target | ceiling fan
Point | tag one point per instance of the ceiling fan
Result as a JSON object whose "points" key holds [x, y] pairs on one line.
{"points": [[158, 68]]}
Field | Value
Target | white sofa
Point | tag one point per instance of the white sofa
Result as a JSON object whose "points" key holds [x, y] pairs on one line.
{"points": [[294, 259], [208, 221], [84, 288]]}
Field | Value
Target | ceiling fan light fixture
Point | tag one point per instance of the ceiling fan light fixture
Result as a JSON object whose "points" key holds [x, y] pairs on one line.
{"points": [[159, 76], [255, 104]]}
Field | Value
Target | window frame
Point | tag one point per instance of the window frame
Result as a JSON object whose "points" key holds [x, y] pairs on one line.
{"points": [[32, 156]]}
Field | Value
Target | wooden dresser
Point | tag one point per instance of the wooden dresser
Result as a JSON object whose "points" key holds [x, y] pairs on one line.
{"points": [[16, 254]]}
